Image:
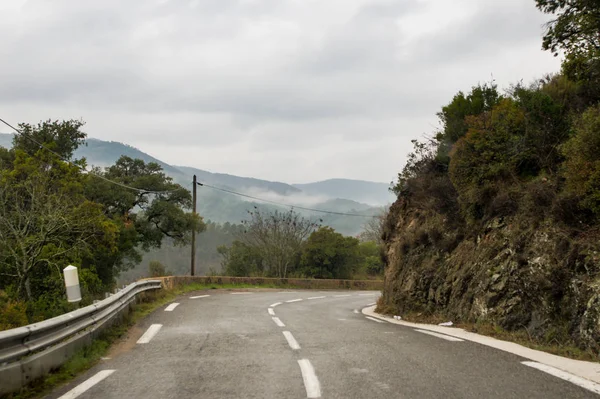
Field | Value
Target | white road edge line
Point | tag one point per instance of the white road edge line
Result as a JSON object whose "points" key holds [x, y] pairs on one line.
{"points": [[582, 382], [271, 312], [339, 296], [317, 297], [291, 340], [275, 304], [293, 300], [199, 296], [149, 334], [241, 293], [367, 294], [87, 384], [171, 307], [311, 382], [442, 336], [374, 319], [278, 321], [371, 304]]}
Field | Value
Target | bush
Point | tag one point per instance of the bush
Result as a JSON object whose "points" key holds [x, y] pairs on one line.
{"points": [[12, 314]]}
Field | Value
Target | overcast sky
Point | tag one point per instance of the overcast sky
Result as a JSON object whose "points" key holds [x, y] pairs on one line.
{"points": [[287, 90]]}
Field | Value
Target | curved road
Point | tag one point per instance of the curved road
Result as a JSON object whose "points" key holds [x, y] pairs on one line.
{"points": [[309, 344]]}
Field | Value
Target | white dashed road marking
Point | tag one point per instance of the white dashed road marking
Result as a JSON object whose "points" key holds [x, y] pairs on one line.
{"points": [[278, 322], [374, 319], [311, 382], [356, 311], [317, 297], [241, 293], [271, 312], [442, 336], [339, 296], [171, 307], [199, 296], [582, 382], [367, 294], [149, 334], [87, 384], [293, 300], [275, 304], [291, 340]]}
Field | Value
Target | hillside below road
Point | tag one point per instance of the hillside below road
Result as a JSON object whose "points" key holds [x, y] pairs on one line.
{"points": [[298, 344]]}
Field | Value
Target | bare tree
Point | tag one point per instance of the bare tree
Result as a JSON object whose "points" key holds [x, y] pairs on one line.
{"points": [[278, 236], [373, 227]]}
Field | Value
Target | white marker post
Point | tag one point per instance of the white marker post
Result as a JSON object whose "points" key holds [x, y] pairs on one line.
{"points": [[72, 284]]}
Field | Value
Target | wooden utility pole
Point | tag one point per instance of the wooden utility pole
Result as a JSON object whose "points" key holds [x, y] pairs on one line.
{"points": [[193, 268]]}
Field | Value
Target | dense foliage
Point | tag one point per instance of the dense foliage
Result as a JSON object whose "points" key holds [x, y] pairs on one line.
{"points": [[53, 214], [287, 245]]}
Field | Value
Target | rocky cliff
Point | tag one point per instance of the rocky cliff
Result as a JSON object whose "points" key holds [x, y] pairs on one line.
{"points": [[513, 273]]}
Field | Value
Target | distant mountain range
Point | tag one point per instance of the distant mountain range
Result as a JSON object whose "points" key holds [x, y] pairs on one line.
{"points": [[337, 195]]}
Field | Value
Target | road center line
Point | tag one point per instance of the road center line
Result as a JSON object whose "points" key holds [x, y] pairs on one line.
{"points": [[442, 336], [374, 319], [278, 321], [582, 382], [317, 297], [291, 340], [293, 300], [87, 384], [339, 296], [199, 296], [149, 334], [275, 304], [311, 382], [271, 312], [171, 307]]}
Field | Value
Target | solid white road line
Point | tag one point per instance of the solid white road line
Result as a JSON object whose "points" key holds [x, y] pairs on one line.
{"points": [[87, 384], [149, 334], [271, 312], [291, 340], [293, 300], [241, 293], [339, 296], [317, 297], [275, 304], [278, 322], [367, 294], [371, 304], [582, 382], [171, 307], [199, 296], [374, 319], [311, 382], [442, 336]]}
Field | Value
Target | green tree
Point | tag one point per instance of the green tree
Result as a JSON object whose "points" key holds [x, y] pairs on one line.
{"points": [[582, 163], [328, 254], [63, 137], [156, 269], [241, 260], [370, 257], [154, 209], [575, 28], [46, 223]]}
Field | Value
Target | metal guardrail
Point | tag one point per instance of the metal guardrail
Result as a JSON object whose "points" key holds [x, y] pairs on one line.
{"points": [[31, 351]]}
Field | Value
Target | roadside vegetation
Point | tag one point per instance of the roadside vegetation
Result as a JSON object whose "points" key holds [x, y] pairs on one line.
{"points": [[497, 220]]}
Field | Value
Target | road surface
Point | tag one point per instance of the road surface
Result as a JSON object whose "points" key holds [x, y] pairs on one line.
{"points": [[299, 344]]}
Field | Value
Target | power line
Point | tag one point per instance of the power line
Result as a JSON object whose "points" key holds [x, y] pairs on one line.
{"points": [[85, 170], [282, 204]]}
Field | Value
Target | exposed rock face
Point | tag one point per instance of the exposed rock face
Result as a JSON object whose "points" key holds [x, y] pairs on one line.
{"points": [[516, 275]]}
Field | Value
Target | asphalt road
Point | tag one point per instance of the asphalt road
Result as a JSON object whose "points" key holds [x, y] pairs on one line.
{"points": [[228, 345]]}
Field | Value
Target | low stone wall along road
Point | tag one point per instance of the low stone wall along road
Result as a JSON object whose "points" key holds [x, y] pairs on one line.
{"points": [[306, 344]]}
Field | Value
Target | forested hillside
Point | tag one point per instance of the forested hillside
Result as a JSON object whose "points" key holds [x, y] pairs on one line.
{"points": [[498, 216]]}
